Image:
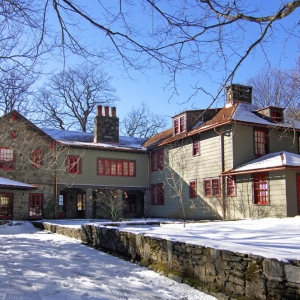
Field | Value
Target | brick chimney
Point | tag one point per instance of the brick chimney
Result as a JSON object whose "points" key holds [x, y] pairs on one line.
{"points": [[106, 127], [238, 93]]}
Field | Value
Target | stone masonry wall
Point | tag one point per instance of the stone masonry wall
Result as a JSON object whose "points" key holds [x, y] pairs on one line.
{"points": [[224, 274]]}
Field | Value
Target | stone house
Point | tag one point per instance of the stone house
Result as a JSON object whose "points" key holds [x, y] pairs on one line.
{"points": [[50, 173], [225, 163]]}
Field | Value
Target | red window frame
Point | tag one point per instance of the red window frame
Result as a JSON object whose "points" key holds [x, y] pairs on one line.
{"points": [[230, 186], [73, 164], [179, 124], [193, 189], [116, 167], [13, 134], [196, 147], [211, 187], [157, 194], [260, 142], [276, 117], [261, 189], [207, 188], [35, 206], [7, 158], [157, 160], [6, 205], [37, 158], [215, 184]]}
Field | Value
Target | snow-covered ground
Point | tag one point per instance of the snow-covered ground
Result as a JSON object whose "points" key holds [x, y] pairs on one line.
{"points": [[38, 265]]}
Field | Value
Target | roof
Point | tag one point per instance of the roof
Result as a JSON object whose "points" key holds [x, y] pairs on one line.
{"points": [[157, 138], [273, 161], [4, 182], [237, 113], [85, 139]]}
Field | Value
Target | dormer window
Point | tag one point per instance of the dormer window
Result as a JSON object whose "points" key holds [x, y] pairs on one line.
{"points": [[179, 124], [276, 117]]}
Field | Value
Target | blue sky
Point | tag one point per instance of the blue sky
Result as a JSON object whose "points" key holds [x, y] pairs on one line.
{"points": [[282, 52]]}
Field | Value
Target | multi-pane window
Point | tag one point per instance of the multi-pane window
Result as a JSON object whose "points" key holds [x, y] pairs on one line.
{"points": [[157, 160], [230, 186], [193, 189], [35, 206], [6, 159], [6, 205], [81, 202], [157, 193], [179, 125], [261, 194], [276, 117], [260, 141], [73, 164], [211, 187], [196, 147], [115, 167], [37, 158]]}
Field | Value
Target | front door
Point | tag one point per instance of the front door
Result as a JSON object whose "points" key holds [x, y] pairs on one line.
{"points": [[298, 192], [62, 200]]}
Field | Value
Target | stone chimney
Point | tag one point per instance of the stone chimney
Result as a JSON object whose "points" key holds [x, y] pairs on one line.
{"points": [[238, 93], [106, 127]]}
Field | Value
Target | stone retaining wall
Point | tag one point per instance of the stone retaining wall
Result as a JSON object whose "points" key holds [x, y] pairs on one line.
{"points": [[217, 272]]}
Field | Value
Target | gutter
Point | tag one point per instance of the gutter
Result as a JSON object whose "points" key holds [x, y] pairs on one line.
{"points": [[260, 170]]}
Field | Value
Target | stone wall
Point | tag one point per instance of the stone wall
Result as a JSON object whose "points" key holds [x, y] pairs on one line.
{"points": [[217, 272]]}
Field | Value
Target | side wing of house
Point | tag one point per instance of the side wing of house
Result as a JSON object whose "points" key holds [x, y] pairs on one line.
{"points": [[26, 157]]}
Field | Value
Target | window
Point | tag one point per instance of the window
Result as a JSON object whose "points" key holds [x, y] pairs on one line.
{"points": [[276, 117], [130, 203], [179, 125], [37, 158], [215, 187], [7, 159], [211, 187], [193, 189], [113, 167], [13, 134], [80, 202], [260, 142], [157, 160], [35, 206], [260, 189], [196, 147], [73, 165], [6, 205], [157, 193], [230, 186]]}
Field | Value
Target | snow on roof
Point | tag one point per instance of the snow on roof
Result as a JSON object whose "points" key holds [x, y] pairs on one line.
{"points": [[81, 139], [272, 160], [13, 183], [247, 113]]}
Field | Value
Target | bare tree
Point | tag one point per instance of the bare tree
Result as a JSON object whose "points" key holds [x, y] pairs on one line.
{"points": [[277, 88], [108, 203], [178, 36], [141, 122], [15, 90], [70, 97]]}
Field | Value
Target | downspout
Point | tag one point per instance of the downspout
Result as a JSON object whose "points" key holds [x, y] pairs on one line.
{"points": [[148, 187], [222, 170]]}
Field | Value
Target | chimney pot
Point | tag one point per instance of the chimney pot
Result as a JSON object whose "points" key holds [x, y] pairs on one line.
{"points": [[113, 112], [99, 110], [106, 111]]}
